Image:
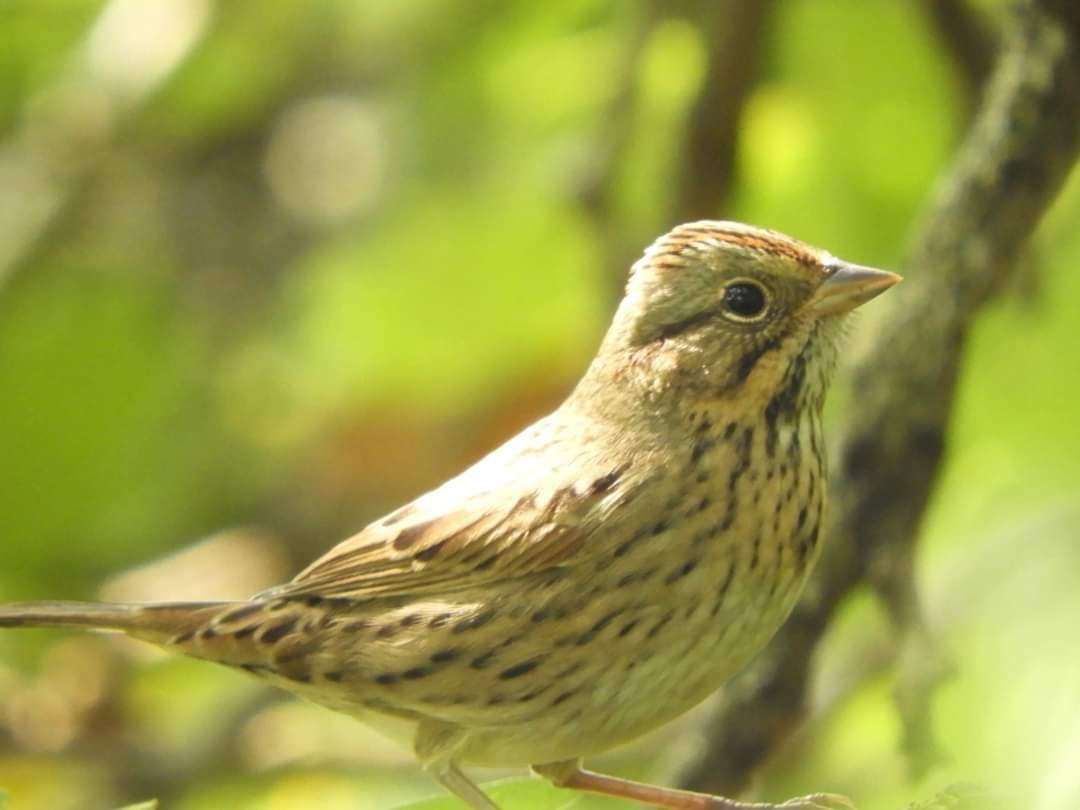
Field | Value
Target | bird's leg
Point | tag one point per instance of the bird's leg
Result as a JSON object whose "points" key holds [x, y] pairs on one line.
{"points": [[436, 745], [571, 775], [451, 778]]}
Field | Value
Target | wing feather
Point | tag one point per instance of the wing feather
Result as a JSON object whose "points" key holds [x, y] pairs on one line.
{"points": [[446, 542]]}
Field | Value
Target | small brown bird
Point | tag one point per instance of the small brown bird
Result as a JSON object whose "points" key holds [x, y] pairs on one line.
{"points": [[600, 573]]}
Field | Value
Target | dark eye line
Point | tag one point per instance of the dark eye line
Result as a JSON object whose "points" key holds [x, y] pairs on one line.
{"points": [[672, 329]]}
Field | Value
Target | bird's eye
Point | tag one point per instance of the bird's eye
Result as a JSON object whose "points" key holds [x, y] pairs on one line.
{"points": [[745, 300]]}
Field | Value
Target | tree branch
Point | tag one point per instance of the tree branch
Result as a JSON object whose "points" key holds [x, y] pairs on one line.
{"points": [[731, 31], [967, 40]]}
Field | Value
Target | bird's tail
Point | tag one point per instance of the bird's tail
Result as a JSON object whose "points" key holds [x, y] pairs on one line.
{"points": [[161, 623], [265, 637]]}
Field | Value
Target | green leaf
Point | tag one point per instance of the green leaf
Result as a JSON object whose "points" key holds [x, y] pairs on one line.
{"points": [[512, 794]]}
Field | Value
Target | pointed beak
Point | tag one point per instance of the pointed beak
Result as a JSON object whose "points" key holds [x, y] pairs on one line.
{"points": [[849, 286]]}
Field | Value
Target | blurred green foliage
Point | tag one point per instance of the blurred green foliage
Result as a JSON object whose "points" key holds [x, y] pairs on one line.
{"points": [[285, 264]]}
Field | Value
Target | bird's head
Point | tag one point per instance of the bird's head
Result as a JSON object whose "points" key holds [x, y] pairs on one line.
{"points": [[725, 310]]}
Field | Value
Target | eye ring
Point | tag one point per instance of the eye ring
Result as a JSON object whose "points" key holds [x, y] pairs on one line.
{"points": [[745, 301]]}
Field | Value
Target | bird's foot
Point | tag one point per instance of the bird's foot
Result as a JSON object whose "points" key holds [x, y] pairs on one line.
{"points": [[817, 801]]}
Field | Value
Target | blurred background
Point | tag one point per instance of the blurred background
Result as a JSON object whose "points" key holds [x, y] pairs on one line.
{"points": [[269, 268]]}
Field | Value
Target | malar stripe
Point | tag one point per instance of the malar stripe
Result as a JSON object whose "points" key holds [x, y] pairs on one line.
{"points": [[748, 362]]}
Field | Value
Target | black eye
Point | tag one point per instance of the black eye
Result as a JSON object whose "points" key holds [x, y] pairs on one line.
{"points": [[744, 299]]}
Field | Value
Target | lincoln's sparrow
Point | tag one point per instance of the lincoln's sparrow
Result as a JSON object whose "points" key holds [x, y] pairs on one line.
{"points": [[600, 573]]}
